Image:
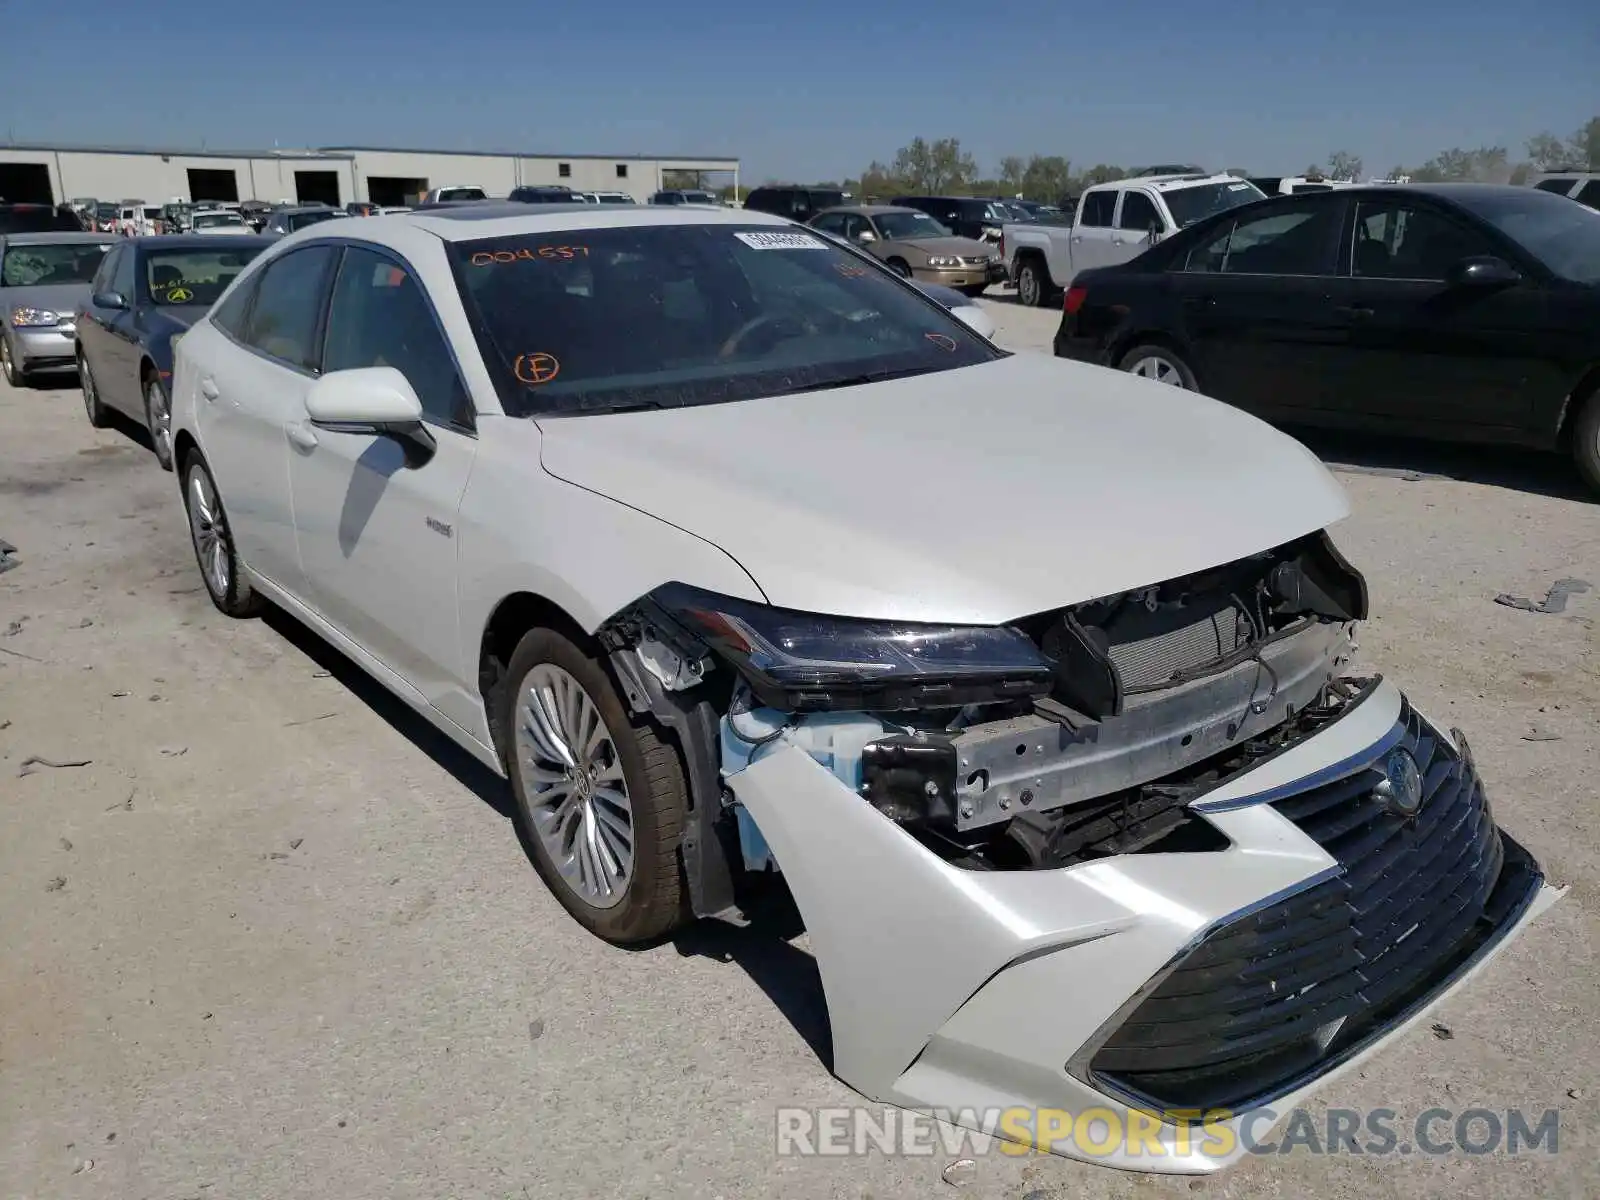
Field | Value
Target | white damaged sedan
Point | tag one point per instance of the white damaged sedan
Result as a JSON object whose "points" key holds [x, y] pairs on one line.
{"points": [[744, 560]]}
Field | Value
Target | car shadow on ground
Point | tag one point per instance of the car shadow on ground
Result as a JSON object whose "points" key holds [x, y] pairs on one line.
{"points": [[763, 948], [1530, 471], [485, 784]]}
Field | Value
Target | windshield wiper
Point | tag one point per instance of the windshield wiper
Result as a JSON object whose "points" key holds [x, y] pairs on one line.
{"points": [[612, 406], [856, 380]]}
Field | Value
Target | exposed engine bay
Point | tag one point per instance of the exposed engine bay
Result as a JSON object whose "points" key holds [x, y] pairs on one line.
{"points": [[1068, 735]]}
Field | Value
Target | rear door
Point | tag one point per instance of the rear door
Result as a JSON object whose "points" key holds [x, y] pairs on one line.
{"points": [[1418, 351], [116, 373], [1257, 307], [95, 321], [252, 395], [1094, 231]]}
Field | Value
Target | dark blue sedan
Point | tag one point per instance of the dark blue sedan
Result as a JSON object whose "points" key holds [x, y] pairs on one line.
{"points": [[146, 292]]}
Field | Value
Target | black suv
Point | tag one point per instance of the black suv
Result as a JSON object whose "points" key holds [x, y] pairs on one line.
{"points": [[794, 202], [542, 193], [38, 218], [967, 216]]}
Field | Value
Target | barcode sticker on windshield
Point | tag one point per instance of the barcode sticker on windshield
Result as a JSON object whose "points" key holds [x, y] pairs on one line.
{"points": [[781, 241]]}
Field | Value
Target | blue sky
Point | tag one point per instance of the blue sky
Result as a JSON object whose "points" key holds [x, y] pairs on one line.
{"points": [[811, 90]]}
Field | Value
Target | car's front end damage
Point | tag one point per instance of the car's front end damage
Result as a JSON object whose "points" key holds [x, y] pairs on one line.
{"points": [[1154, 852]]}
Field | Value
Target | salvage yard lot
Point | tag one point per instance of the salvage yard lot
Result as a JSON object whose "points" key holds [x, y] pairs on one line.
{"points": [[276, 938]]}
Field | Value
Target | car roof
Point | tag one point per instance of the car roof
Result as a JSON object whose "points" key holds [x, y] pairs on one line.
{"points": [[872, 210], [198, 241], [67, 236], [503, 218]]}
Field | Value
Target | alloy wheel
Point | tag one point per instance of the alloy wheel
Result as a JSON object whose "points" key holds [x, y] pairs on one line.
{"points": [[1153, 366], [6, 365], [1028, 287], [578, 803], [210, 533]]}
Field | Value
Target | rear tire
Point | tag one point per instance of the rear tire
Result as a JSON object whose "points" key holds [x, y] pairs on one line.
{"points": [[593, 786], [1586, 441], [1032, 283], [1161, 365]]}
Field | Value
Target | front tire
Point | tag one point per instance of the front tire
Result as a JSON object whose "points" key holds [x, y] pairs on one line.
{"points": [[93, 409], [158, 420], [900, 267], [214, 550], [8, 365], [1161, 365], [600, 797]]}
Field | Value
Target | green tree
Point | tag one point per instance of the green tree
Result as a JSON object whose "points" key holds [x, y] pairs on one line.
{"points": [[1586, 144], [1012, 168], [1101, 173], [1342, 164], [1547, 152], [1047, 178], [878, 182], [936, 166]]}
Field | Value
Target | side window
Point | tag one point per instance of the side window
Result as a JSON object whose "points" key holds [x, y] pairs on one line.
{"points": [[1284, 241], [229, 316], [1559, 186], [283, 322], [122, 279], [380, 317], [1399, 241], [1139, 213], [1590, 194], [1098, 209], [832, 222], [107, 271]]}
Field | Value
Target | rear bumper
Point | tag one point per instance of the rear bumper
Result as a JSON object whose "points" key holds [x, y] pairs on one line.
{"points": [[1081, 349], [977, 991]]}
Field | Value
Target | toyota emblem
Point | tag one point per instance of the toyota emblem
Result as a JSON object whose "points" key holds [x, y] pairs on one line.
{"points": [[1401, 789]]}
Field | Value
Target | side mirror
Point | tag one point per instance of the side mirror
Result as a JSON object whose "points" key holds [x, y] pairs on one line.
{"points": [[1483, 271], [866, 235], [372, 400], [110, 300]]}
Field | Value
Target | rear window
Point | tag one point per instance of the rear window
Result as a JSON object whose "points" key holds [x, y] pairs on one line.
{"points": [[681, 315], [1560, 186], [51, 263], [294, 221]]}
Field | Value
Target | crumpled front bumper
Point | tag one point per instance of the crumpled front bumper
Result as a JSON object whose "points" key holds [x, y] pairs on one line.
{"points": [[951, 989]]}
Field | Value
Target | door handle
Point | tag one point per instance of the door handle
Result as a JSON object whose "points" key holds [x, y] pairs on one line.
{"points": [[1356, 312], [1078, 239], [301, 436], [1199, 301], [208, 389]]}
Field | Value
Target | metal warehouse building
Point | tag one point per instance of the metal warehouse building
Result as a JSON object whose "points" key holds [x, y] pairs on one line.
{"points": [[334, 175]]}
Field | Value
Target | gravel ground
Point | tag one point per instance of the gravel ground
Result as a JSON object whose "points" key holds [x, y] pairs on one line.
{"points": [[275, 938]]}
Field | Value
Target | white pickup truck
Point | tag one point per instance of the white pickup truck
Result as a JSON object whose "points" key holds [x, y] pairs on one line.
{"points": [[1113, 223]]}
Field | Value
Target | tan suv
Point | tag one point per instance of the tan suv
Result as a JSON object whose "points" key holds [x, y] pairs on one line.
{"points": [[913, 244]]}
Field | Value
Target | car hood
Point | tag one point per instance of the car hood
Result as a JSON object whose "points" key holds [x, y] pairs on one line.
{"points": [[965, 247], [979, 495], [63, 298]]}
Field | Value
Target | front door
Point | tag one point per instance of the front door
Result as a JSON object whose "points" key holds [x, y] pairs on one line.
{"points": [[97, 327], [251, 396], [1418, 351], [1257, 306], [378, 538], [1094, 231]]}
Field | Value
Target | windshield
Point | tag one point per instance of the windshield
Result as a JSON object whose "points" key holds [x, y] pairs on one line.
{"points": [[680, 315], [898, 225], [293, 221], [49, 263], [178, 277], [217, 220], [1192, 204], [1561, 233]]}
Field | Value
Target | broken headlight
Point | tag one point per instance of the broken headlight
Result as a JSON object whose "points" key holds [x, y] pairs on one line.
{"points": [[799, 662]]}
